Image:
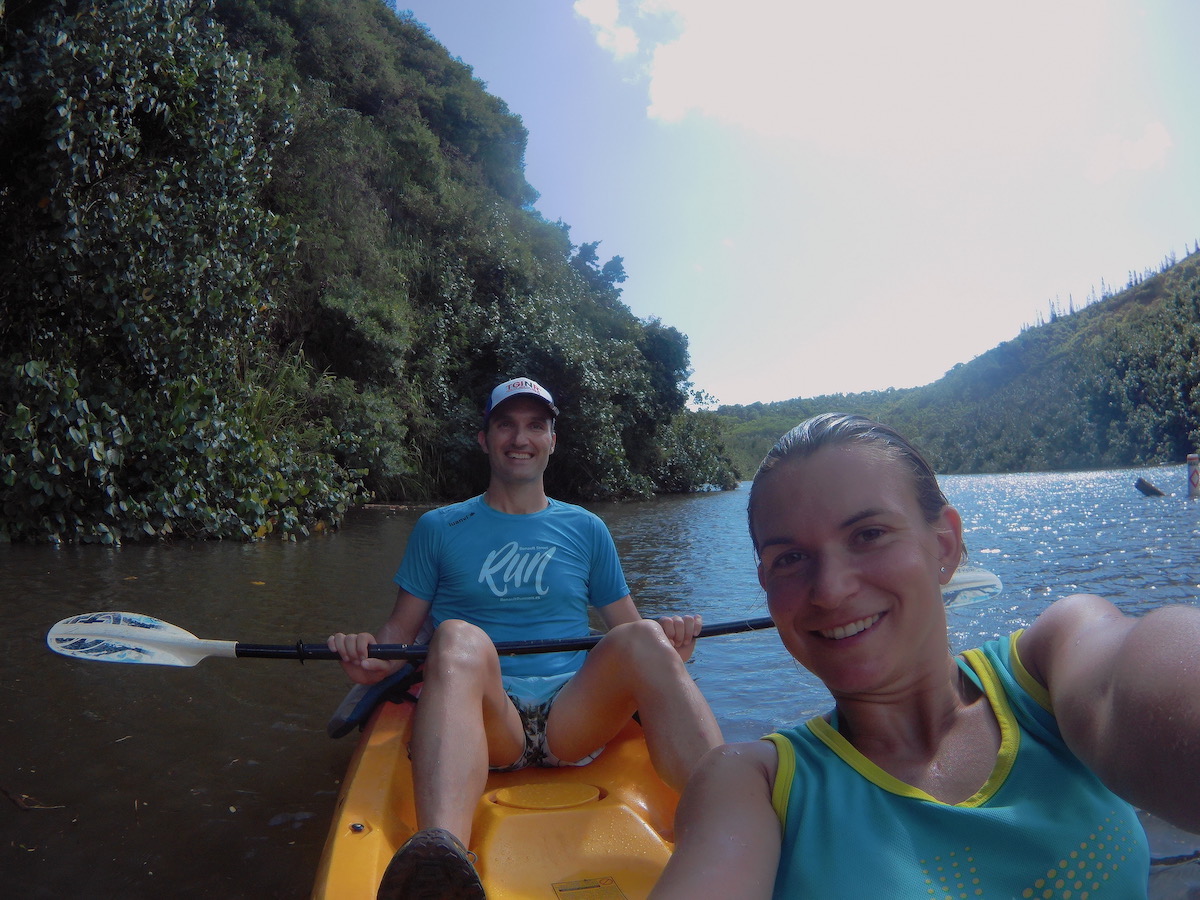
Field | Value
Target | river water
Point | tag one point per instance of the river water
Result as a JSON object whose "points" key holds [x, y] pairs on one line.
{"points": [[141, 781]]}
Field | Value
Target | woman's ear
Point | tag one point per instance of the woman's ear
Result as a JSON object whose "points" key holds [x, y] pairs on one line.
{"points": [[948, 529]]}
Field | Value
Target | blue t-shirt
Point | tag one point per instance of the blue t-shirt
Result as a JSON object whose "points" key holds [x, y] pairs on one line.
{"points": [[1043, 826], [518, 577]]}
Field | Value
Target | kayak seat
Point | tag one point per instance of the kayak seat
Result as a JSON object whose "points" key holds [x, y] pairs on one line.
{"points": [[354, 710]]}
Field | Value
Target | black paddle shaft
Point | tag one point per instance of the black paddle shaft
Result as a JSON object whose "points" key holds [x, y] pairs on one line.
{"points": [[302, 651]]}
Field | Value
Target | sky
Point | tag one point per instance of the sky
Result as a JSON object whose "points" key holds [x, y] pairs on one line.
{"points": [[844, 197]]}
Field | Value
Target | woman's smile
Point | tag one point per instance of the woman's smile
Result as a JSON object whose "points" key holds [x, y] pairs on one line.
{"points": [[841, 632]]}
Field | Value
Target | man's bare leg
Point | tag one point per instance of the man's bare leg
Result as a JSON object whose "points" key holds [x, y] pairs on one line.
{"points": [[635, 668], [464, 723]]}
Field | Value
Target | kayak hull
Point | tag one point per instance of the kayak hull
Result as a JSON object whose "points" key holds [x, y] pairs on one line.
{"points": [[597, 832]]}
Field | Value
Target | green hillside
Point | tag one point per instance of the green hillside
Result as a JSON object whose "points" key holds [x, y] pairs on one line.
{"points": [[264, 258], [1115, 384]]}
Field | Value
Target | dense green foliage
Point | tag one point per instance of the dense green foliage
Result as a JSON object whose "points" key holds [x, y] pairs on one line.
{"points": [[1114, 384], [135, 282], [261, 253], [425, 276]]}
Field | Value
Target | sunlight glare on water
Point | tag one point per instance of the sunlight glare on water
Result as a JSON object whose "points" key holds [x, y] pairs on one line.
{"points": [[1045, 535]]}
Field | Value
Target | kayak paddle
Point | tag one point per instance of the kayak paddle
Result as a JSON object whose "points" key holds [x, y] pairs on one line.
{"points": [[135, 638], [125, 637]]}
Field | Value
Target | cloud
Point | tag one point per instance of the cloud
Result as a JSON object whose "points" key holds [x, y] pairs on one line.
{"points": [[840, 171], [1113, 154], [872, 76], [620, 40]]}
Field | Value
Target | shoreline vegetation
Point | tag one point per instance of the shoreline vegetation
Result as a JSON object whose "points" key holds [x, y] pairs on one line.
{"points": [[262, 260]]}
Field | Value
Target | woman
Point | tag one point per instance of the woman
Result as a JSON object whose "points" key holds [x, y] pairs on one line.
{"points": [[993, 774]]}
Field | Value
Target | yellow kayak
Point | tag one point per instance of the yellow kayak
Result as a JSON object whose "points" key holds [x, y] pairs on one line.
{"points": [[597, 832]]}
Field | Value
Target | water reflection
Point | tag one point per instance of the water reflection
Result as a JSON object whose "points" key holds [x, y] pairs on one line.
{"points": [[132, 781]]}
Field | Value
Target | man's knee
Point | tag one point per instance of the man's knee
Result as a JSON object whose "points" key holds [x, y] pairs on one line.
{"points": [[459, 643], [641, 643], [456, 631]]}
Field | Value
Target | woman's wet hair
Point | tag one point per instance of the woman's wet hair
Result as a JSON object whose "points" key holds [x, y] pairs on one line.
{"points": [[839, 429]]}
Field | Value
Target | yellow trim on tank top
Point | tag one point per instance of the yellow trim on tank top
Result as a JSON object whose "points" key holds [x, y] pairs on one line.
{"points": [[785, 774], [1031, 685], [1010, 742]]}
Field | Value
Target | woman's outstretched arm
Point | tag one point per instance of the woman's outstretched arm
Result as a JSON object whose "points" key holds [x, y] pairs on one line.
{"points": [[727, 834], [1126, 693]]}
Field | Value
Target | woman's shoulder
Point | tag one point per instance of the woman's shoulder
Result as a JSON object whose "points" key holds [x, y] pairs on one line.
{"points": [[1057, 629], [741, 762], [741, 777]]}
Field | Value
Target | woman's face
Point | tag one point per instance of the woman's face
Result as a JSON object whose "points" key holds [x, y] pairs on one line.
{"points": [[852, 570]]}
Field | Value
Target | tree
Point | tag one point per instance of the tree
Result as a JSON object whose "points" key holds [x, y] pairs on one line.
{"points": [[136, 283]]}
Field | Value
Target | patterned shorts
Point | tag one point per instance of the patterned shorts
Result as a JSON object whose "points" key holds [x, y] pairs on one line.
{"points": [[534, 711]]}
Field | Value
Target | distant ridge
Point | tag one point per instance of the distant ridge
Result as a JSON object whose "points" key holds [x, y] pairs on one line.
{"points": [[1116, 383]]}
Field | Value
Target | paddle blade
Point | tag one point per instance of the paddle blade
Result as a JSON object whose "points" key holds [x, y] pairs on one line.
{"points": [[123, 637], [971, 584]]}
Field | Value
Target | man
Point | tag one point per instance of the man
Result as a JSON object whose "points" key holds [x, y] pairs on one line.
{"points": [[515, 564]]}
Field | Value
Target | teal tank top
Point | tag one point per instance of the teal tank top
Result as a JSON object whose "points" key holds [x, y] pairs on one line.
{"points": [[1043, 826]]}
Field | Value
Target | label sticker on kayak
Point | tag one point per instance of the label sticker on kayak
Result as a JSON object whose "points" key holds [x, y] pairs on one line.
{"points": [[589, 889]]}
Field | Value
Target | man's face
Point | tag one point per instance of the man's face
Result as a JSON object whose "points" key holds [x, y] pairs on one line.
{"points": [[519, 439]]}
